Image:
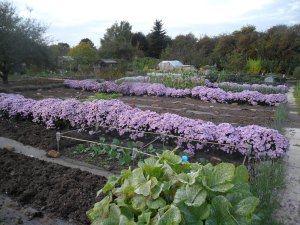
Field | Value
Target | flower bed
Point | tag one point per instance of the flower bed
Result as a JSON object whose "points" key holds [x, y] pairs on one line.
{"points": [[203, 93], [263, 142], [251, 87]]}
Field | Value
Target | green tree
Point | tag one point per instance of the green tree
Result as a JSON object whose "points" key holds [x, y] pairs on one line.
{"points": [[83, 53], [183, 48], [157, 39], [55, 51], [21, 41], [88, 41], [140, 43], [116, 42]]}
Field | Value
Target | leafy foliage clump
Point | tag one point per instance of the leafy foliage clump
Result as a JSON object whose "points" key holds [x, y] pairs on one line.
{"points": [[296, 72], [165, 190]]}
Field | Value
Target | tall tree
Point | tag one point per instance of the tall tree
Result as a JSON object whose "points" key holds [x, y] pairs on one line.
{"points": [[183, 48], [157, 39], [83, 53], [55, 51], [116, 42], [21, 40], [88, 41], [139, 41]]}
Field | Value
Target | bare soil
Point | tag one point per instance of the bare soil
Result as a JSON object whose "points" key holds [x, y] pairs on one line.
{"points": [[238, 115], [57, 190]]}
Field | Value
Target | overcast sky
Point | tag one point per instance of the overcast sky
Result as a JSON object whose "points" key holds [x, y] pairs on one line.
{"points": [[70, 21]]}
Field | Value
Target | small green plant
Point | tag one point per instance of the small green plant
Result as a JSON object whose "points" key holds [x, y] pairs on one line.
{"points": [[297, 95], [114, 150], [165, 190], [269, 180], [104, 96], [280, 117]]}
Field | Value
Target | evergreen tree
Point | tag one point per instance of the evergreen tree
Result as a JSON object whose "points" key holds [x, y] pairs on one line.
{"points": [[157, 39]]}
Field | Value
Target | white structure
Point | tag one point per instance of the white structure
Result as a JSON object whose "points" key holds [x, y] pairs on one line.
{"points": [[169, 65]]}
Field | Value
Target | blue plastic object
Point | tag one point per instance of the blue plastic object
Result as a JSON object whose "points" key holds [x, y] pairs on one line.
{"points": [[184, 158]]}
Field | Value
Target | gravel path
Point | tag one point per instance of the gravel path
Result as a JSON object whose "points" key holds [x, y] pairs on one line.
{"points": [[289, 211]]}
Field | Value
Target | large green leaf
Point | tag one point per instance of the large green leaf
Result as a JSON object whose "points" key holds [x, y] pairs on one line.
{"points": [[154, 171], [222, 187], [156, 204], [144, 218], [220, 212], [138, 202], [100, 210], [180, 195], [171, 217], [196, 195], [241, 174], [188, 178], [194, 215], [110, 184], [247, 206], [144, 188], [155, 191], [223, 173], [170, 157], [137, 177]]}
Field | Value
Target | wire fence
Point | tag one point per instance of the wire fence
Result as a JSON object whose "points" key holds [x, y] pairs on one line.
{"points": [[60, 135]]}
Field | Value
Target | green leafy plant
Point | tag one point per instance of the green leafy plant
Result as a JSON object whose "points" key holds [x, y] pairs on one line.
{"points": [[114, 150], [254, 66], [296, 72], [104, 96], [297, 95], [268, 182], [165, 190]]}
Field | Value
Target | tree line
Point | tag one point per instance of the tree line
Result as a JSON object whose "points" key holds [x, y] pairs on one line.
{"points": [[276, 50]]}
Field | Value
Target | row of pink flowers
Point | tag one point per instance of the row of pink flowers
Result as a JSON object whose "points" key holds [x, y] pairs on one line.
{"points": [[260, 141]]}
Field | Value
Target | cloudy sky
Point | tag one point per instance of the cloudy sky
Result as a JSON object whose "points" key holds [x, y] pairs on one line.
{"points": [[70, 21]]}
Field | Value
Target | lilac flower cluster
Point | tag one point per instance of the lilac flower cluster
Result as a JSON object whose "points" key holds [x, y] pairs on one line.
{"points": [[262, 142], [252, 87], [203, 93], [250, 97], [92, 85]]}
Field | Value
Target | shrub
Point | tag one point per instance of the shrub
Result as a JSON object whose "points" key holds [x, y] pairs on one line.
{"points": [[254, 66], [169, 191], [296, 72]]}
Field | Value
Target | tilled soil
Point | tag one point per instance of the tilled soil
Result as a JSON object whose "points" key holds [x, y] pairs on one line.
{"points": [[237, 115], [63, 192]]}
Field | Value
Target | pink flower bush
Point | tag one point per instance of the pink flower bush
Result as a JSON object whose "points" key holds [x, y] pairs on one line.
{"points": [[200, 92], [193, 134]]}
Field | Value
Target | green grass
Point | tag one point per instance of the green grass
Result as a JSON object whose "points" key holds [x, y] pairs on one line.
{"points": [[297, 95], [269, 180], [104, 96], [280, 117]]}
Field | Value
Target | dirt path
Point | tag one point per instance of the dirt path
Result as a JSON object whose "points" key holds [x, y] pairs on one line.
{"points": [[289, 211], [41, 154]]}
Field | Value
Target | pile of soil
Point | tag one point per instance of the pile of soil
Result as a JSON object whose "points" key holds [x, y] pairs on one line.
{"points": [[63, 192]]}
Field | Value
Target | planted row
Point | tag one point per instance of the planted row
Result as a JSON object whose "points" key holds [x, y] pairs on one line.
{"points": [[200, 92], [259, 141], [262, 88]]}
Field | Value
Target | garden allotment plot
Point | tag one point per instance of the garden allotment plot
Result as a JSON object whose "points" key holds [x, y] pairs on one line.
{"points": [[237, 115]]}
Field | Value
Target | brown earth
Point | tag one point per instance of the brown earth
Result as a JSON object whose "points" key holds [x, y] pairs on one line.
{"points": [[60, 191]]}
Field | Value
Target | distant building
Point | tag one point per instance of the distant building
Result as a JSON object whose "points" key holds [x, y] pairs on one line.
{"points": [[105, 63]]}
